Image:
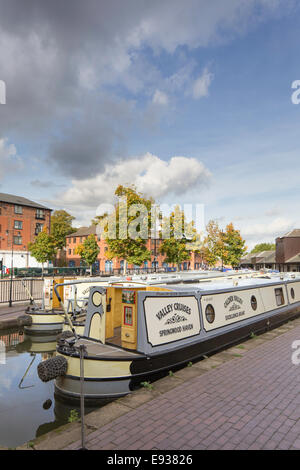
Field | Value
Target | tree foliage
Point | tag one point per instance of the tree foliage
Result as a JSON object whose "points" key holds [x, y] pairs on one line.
{"points": [[61, 226], [88, 250], [126, 230], [263, 247], [176, 246], [213, 245], [233, 245], [43, 249], [227, 245]]}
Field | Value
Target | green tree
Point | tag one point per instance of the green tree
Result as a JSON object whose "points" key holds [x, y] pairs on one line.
{"points": [[233, 245], [88, 250], [126, 230], [179, 235], [213, 243], [43, 249], [263, 247], [61, 226]]}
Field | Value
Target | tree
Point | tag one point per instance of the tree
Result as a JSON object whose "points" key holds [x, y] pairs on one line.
{"points": [[175, 246], [213, 243], [234, 245], [43, 249], [61, 226], [89, 250], [126, 230], [263, 247]]}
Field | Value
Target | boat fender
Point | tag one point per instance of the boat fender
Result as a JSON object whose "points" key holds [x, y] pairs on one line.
{"points": [[65, 334], [25, 320], [52, 368]]}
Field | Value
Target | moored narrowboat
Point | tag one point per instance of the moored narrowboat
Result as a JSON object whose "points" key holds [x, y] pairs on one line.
{"points": [[133, 333]]}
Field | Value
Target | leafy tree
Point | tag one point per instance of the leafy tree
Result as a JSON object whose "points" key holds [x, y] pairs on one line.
{"points": [[213, 243], [175, 246], [61, 226], [88, 250], [233, 245], [43, 249], [263, 247], [126, 229]]}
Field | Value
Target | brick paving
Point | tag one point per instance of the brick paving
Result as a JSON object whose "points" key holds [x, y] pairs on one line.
{"points": [[249, 402]]}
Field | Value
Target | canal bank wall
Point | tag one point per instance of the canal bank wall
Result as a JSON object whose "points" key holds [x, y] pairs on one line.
{"points": [[9, 315], [245, 397]]}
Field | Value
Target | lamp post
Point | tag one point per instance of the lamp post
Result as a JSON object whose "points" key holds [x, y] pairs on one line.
{"points": [[12, 265]]}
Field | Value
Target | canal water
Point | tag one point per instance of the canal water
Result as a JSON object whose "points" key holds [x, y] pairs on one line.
{"points": [[28, 407]]}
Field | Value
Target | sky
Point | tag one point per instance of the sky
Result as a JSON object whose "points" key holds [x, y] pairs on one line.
{"points": [[190, 101]]}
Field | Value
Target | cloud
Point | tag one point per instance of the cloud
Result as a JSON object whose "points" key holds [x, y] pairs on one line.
{"points": [[150, 174], [201, 85], [160, 98], [9, 160], [61, 58]]}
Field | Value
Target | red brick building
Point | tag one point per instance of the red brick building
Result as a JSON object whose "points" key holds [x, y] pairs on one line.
{"points": [[20, 221], [106, 265], [288, 251]]}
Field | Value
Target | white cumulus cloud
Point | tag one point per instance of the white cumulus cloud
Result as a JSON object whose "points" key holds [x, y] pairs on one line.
{"points": [[150, 174], [202, 84]]}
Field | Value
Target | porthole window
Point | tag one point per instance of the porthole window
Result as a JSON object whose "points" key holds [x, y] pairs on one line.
{"points": [[210, 313], [292, 293], [253, 302]]}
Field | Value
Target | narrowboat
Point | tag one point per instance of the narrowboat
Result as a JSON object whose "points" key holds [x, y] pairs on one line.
{"points": [[50, 317], [133, 333]]}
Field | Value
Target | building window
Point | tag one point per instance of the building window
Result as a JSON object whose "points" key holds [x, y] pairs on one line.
{"points": [[70, 251], [18, 210], [210, 313], [17, 240], [279, 296], [38, 228], [74, 240], [253, 302], [40, 214], [80, 239], [18, 224]]}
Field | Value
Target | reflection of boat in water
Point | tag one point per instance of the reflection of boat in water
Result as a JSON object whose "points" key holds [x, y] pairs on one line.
{"points": [[130, 337]]}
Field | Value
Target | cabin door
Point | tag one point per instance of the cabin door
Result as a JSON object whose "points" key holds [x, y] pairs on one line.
{"points": [[96, 314]]}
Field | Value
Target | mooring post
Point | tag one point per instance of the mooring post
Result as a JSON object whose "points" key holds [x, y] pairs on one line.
{"points": [[82, 350]]}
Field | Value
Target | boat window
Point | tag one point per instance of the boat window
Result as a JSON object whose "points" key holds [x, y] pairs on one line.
{"points": [[292, 293], [128, 316], [210, 313], [253, 302], [279, 296]]}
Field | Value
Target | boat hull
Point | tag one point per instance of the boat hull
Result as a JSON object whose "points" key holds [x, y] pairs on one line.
{"points": [[107, 379]]}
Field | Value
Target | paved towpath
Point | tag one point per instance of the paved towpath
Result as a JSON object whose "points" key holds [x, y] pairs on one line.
{"points": [[247, 397], [250, 402]]}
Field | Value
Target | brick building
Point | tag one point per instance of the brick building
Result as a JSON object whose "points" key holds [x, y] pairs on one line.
{"points": [[105, 265], [20, 221], [288, 251]]}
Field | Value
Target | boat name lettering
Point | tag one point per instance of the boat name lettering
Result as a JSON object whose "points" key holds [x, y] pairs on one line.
{"points": [[177, 329], [232, 298], [234, 315], [173, 307]]}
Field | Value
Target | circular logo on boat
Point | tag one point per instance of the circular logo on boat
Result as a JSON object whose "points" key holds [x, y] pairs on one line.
{"points": [[97, 299]]}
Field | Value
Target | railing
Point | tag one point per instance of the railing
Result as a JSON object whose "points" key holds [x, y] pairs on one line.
{"points": [[20, 289]]}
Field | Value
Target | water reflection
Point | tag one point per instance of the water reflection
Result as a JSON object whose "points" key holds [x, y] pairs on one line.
{"points": [[28, 407]]}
